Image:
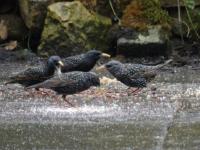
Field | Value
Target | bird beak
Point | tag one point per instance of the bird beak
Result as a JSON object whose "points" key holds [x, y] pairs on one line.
{"points": [[105, 55], [60, 63], [100, 68]]}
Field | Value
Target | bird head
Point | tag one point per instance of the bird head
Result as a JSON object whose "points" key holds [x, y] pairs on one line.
{"points": [[55, 62], [96, 54], [112, 65]]}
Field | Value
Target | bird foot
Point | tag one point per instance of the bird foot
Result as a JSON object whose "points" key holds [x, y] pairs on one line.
{"points": [[57, 98], [135, 91], [33, 93], [69, 103]]}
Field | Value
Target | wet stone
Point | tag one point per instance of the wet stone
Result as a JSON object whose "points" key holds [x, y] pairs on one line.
{"points": [[153, 42], [105, 117]]}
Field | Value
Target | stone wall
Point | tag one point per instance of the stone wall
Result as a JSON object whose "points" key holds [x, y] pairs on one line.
{"points": [[30, 22]]}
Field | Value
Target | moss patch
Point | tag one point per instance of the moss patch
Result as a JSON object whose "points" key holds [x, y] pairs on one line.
{"points": [[195, 16], [142, 13], [89, 4], [70, 28]]}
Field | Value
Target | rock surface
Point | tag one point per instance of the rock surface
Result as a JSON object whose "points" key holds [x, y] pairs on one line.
{"points": [[33, 12], [19, 55], [14, 27], [105, 7], [70, 29], [103, 118], [7, 6], [133, 43]]}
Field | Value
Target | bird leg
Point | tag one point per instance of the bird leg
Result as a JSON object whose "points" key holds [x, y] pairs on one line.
{"points": [[45, 93], [64, 98], [31, 92], [42, 92], [135, 91]]}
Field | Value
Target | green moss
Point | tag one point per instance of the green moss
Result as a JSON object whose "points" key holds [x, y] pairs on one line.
{"points": [[89, 4], [195, 17], [153, 13], [71, 28], [142, 13]]}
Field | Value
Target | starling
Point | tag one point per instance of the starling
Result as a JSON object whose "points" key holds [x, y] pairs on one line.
{"points": [[83, 62], [70, 83], [39, 74], [133, 75]]}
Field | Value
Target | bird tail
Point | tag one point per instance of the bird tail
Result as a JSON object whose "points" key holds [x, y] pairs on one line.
{"points": [[46, 84], [164, 64], [9, 81]]}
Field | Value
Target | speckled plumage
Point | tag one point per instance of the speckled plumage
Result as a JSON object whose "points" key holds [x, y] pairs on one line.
{"points": [[35, 75], [133, 75], [83, 62], [70, 83]]}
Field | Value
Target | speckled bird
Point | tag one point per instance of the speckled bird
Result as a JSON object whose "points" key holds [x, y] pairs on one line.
{"points": [[39, 74], [133, 75], [70, 83], [83, 62]]}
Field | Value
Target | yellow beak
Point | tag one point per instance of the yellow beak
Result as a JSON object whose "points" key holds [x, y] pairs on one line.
{"points": [[60, 63], [105, 55]]}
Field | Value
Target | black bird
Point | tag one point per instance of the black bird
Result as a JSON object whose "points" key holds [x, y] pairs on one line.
{"points": [[83, 62], [133, 75], [39, 74], [70, 83]]}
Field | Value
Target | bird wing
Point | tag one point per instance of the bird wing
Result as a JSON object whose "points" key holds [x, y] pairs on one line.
{"points": [[53, 83], [72, 62], [134, 70], [139, 70], [28, 74], [138, 79], [141, 82], [136, 74], [63, 83], [147, 72]]}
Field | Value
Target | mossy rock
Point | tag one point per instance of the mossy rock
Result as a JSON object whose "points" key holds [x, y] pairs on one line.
{"points": [[33, 12], [70, 29], [103, 7], [140, 14]]}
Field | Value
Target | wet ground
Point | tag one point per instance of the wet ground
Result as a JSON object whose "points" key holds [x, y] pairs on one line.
{"points": [[105, 118]]}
